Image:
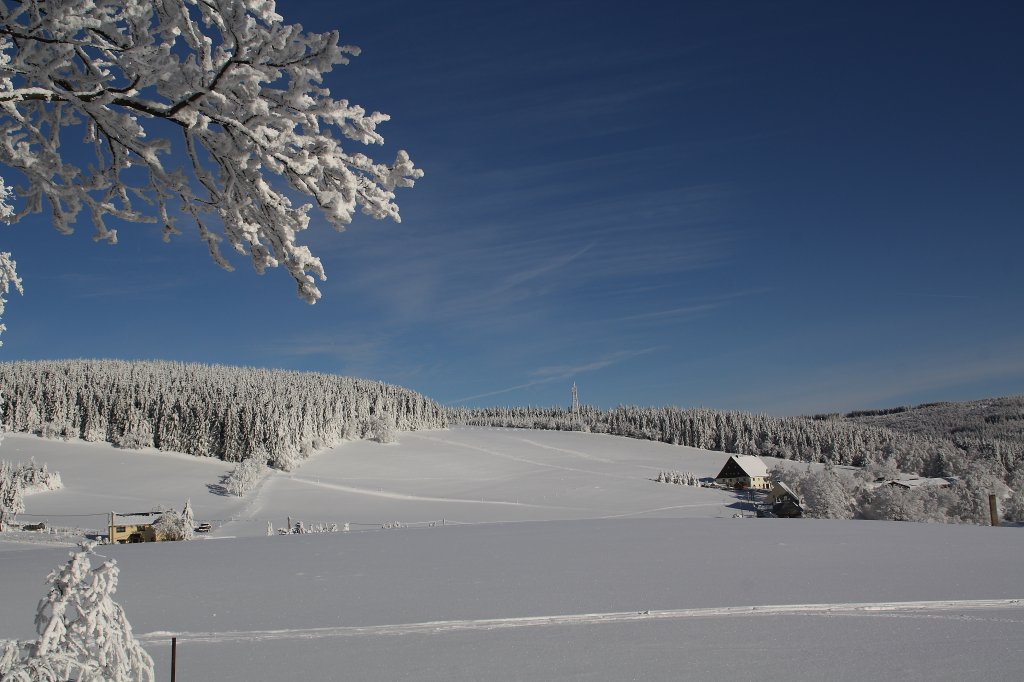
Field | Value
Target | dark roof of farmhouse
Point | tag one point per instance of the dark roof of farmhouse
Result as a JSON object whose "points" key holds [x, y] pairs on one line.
{"points": [[743, 465]]}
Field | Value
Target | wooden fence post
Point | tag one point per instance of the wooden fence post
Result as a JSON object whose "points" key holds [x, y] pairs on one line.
{"points": [[993, 510]]}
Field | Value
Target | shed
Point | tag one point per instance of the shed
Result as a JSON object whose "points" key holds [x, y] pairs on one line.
{"points": [[785, 502]]}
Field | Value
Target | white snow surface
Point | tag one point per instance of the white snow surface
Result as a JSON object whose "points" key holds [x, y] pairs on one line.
{"points": [[559, 559]]}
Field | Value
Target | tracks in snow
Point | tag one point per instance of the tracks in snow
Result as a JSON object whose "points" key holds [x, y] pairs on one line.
{"points": [[952, 606], [524, 460], [403, 496]]}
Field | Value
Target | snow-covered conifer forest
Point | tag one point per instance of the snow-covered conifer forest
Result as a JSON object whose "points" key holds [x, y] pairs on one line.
{"points": [[231, 413]]}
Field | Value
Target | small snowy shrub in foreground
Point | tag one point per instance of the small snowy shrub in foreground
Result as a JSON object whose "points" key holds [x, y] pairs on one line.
{"points": [[84, 634]]}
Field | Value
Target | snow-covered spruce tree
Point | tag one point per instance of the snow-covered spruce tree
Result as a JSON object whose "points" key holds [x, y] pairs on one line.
{"points": [[211, 109], [188, 520], [12, 493], [83, 634]]}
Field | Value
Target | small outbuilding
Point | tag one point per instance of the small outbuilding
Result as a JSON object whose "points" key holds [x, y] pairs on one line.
{"points": [[785, 503], [912, 481], [131, 528], [743, 472]]}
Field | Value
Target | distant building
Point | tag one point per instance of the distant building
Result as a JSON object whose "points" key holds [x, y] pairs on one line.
{"points": [[131, 528], [744, 471], [785, 503], [911, 481]]}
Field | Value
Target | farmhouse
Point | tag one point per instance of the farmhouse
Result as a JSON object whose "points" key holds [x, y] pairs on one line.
{"points": [[744, 471]]}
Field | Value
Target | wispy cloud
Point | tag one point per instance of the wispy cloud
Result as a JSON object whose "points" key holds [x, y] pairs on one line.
{"points": [[692, 310], [684, 311], [356, 354], [936, 294], [551, 265], [545, 375], [113, 286]]}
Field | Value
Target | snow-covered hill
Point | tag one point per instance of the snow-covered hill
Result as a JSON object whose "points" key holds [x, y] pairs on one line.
{"points": [[559, 560], [465, 475]]}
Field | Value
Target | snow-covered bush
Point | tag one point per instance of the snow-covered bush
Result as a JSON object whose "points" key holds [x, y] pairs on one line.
{"points": [[380, 429], [18, 480], [84, 634], [1013, 505], [36, 478], [245, 476], [174, 526], [826, 493], [54, 431], [677, 478], [302, 528], [892, 503]]}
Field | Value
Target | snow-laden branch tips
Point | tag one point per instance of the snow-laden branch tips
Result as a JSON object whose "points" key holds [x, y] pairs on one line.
{"points": [[224, 86]]}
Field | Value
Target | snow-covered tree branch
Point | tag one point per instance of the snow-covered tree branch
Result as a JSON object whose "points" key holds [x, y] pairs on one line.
{"points": [[8, 268], [234, 92]]}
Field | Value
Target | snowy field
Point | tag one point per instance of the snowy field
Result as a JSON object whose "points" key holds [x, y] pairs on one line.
{"points": [[468, 475], [558, 559]]}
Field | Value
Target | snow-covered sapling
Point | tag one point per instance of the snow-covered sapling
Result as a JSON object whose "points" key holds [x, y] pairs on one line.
{"points": [[83, 634]]}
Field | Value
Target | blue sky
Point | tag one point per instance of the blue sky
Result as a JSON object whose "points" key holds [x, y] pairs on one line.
{"points": [[784, 207]]}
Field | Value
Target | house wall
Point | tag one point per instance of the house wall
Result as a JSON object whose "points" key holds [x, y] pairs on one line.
{"points": [[756, 482], [121, 533]]}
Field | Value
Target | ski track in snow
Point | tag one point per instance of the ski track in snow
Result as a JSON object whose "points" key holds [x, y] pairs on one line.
{"points": [[932, 609], [249, 505], [658, 509], [404, 496], [495, 453], [575, 453]]}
